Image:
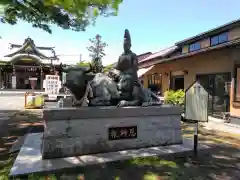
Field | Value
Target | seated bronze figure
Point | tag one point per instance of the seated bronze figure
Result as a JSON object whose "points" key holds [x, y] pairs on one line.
{"points": [[119, 86]]}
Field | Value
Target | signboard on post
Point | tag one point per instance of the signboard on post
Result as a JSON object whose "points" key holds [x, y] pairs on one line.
{"points": [[196, 108], [196, 103], [52, 84]]}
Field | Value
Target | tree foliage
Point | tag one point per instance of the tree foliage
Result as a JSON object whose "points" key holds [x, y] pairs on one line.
{"points": [[97, 47], [68, 14], [96, 52]]}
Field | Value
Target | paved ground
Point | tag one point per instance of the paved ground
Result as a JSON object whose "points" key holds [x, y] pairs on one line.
{"points": [[224, 127], [15, 102], [11, 101]]}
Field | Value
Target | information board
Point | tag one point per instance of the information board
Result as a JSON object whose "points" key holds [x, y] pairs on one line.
{"points": [[52, 84], [196, 103]]}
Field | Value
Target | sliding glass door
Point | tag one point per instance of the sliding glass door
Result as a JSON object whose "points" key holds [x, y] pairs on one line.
{"points": [[218, 97]]}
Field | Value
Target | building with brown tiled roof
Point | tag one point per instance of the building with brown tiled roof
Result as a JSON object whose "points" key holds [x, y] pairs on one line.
{"points": [[143, 56], [212, 58]]}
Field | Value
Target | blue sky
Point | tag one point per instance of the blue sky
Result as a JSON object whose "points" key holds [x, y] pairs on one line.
{"points": [[153, 25]]}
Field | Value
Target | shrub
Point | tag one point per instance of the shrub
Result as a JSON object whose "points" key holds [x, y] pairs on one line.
{"points": [[174, 97], [108, 67], [84, 64]]}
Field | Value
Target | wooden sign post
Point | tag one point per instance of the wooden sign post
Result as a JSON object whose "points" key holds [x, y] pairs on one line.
{"points": [[196, 108], [195, 138]]}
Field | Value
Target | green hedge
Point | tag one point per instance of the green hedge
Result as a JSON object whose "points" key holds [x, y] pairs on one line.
{"points": [[174, 97]]}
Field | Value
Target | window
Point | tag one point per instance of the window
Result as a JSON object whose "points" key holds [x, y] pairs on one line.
{"points": [[149, 77], [220, 38], [154, 81], [194, 47], [155, 78], [223, 37], [237, 83]]}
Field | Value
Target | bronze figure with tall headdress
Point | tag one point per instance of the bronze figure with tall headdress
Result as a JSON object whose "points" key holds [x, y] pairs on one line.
{"points": [[127, 37]]}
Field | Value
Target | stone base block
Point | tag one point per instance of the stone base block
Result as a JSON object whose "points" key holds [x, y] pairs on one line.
{"points": [[29, 159], [74, 135]]}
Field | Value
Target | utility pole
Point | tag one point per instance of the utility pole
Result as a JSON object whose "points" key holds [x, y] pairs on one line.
{"points": [[80, 58]]}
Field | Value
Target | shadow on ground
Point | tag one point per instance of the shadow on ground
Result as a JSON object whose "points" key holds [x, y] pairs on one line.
{"points": [[17, 124], [221, 162]]}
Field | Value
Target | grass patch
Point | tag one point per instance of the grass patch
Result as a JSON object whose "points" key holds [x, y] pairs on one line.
{"points": [[5, 168], [150, 168], [153, 161], [151, 176]]}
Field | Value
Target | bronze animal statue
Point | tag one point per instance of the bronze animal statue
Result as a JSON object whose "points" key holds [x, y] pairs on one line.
{"points": [[119, 86]]}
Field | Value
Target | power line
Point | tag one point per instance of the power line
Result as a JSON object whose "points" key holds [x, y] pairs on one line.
{"points": [[68, 55]]}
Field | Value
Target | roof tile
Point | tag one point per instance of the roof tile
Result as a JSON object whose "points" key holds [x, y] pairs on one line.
{"points": [[162, 53]]}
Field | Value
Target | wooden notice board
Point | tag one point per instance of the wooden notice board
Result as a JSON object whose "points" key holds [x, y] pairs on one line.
{"points": [[196, 103]]}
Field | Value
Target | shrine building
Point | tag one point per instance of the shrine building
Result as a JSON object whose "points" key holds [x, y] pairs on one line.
{"points": [[27, 63]]}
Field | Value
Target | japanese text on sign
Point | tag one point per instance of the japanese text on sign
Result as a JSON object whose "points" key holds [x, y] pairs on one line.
{"points": [[116, 133], [196, 103], [52, 84]]}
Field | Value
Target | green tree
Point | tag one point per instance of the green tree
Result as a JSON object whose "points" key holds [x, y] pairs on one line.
{"points": [[96, 50], [83, 64], [68, 14]]}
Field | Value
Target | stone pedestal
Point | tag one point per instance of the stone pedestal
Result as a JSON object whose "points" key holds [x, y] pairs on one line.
{"points": [[80, 131], [67, 102]]}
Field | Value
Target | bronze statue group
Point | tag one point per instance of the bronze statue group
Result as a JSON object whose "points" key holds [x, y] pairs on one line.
{"points": [[118, 87]]}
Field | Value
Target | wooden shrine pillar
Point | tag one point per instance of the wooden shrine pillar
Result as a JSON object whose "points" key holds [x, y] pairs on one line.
{"points": [[1, 78], [14, 79], [41, 77]]}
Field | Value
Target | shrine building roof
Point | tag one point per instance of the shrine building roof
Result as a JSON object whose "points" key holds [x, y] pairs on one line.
{"points": [[29, 50]]}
